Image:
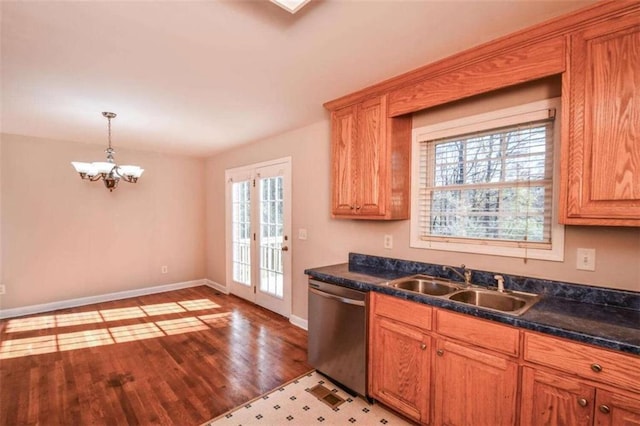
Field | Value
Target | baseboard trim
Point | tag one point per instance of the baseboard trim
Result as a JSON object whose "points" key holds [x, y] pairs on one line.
{"points": [[299, 322], [217, 286], [82, 301]]}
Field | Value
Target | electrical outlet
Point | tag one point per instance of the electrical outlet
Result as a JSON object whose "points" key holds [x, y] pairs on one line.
{"points": [[2, 289], [164, 269], [302, 234], [388, 241], [586, 259]]}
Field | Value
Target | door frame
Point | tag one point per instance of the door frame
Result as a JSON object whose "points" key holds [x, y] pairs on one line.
{"points": [[286, 163]]}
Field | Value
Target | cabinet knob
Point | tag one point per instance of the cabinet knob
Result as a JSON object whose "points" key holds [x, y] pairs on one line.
{"points": [[423, 346], [596, 368], [604, 409], [352, 207], [358, 207], [440, 352], [583, 402]]}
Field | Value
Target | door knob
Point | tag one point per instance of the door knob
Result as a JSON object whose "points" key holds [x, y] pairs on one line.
{"points": [[284, 248]]}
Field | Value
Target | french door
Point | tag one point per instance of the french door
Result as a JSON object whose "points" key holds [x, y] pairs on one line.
{"points": [[258, 234]]}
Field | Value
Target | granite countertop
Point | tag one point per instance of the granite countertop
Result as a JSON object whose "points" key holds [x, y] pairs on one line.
{"points": [[613, 322]]}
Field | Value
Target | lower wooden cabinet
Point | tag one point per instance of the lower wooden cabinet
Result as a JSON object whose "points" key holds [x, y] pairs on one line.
{"points": [[443, 368], [550, 398], [473, 387], [613, 408], [401, 368]]}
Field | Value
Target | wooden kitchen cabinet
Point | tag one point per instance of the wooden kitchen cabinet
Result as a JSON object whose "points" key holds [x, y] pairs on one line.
{"points": [[446, 368], [555, 399], [601, 93], [612, 409], [400, 356], [591, 386], [401, 368], [370, 162], [475, 371], [551, 399]]}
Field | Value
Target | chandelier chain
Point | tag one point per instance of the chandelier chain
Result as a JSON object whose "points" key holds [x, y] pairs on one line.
{"points": [[109, 119]]}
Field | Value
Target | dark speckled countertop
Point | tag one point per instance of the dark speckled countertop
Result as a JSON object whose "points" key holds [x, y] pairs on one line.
{"points": [[593, 315]]}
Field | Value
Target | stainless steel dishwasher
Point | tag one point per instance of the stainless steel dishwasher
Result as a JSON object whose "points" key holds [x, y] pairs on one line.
{"points": [[338, 334]]}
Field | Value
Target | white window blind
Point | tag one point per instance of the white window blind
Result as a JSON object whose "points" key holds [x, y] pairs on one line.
{"points": [[491, 186]]}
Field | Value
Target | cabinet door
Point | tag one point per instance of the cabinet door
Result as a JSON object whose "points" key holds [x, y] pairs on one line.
{"points": [[371, 153], [343, 137], [614, 409], [473, 387], [550, 399], [602, 157], [400, 363]]}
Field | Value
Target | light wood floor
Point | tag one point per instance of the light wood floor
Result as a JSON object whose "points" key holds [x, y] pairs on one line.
{"points": [[181, 357]]}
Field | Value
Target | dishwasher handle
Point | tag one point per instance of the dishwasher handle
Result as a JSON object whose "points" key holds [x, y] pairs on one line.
{"points": [[338, 298]]}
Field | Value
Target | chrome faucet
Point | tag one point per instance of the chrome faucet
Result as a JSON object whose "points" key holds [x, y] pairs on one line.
{"points": [[466, 276], [500, 280]]}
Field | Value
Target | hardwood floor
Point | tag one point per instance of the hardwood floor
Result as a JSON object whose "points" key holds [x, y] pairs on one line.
{"points": [[181, 357]]}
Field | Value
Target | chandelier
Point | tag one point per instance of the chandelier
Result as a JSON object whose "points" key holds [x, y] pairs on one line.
{"points": [[108, 170]]}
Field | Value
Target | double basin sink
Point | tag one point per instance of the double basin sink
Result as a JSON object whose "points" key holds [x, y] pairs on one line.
{"points": [[509, 302]]}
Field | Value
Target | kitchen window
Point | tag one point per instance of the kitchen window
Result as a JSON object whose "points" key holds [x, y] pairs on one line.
{"points": [[488, 184]]}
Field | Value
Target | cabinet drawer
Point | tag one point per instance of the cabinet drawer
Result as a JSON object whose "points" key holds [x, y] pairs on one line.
{"points": [[485, 334], [410, 313], [586, 361]]}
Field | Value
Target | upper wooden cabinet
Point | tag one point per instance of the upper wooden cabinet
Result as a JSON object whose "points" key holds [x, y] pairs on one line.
{"points": [[371, 162], [601, 135], [597, 52]]}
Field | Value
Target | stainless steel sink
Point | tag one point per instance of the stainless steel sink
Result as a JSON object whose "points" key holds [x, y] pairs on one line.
{"points": [[515, 303], [425, 284], [508, 302]]}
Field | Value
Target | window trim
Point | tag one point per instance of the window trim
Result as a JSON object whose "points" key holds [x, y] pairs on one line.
{"points": [[477, 123]]}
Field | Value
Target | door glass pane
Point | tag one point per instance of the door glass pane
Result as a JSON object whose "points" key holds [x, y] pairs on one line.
{"points": [[271, 236], [241, 231]]}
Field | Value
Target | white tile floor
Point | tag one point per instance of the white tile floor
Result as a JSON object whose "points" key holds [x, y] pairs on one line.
{"points": [[293, 405]]}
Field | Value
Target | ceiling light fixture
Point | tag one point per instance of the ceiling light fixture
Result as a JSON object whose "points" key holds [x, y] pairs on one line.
{"points": [[108, 170], [291, 5]]}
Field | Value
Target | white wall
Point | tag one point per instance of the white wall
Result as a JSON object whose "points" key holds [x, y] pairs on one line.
{"points": [[65, 238]]}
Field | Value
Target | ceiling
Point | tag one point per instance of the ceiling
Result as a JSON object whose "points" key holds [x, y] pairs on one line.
{"points": [[199, 77]]}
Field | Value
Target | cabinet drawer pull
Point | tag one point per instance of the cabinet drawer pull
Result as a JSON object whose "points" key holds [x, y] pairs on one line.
{"points": [[596, 368], [583, 402], [440, 352], [604, 409], [423, 346]]}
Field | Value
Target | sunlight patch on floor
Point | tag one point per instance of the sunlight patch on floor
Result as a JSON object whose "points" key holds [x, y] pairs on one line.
{"points": [[14, 348], [182, 325], [217, 320], [84, 339], [105, 315], [122, 313], [129, 333]]}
